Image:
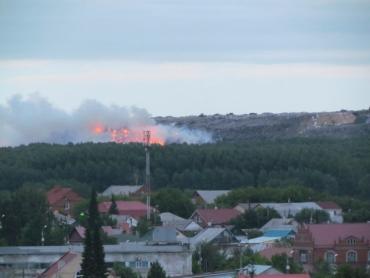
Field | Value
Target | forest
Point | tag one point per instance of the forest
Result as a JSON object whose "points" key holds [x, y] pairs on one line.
{"points": [[339, 167]]}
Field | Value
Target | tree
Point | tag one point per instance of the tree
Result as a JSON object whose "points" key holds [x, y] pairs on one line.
{"points": [[347, 271], [123, 271], [314, 216], [113, 207], [280, 263], [210, 257], [93, 265], [156, 271]]}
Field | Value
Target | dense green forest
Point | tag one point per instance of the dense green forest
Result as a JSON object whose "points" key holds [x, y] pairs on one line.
{"points": [[337, 166]]}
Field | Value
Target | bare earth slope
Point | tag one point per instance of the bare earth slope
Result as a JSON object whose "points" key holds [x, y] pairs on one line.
{"points": [[232, 127]]}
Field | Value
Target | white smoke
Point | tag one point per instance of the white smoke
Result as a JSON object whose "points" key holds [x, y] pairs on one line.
{"points": [[34, 119]]}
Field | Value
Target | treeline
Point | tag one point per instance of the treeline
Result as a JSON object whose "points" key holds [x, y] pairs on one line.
{"points": [[337, 166]]}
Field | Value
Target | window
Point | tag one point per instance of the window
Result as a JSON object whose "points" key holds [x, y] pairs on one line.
{"points": [[330, 257], [303, 256], [351, 241], [351, 256], [66, 204]]}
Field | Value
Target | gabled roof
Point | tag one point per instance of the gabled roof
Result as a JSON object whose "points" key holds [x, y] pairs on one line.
{"points": [[183, 225], [58, 193], [258, 268], [328, 205], [217, 216], [209, 196], [280, 224], [133, 208], [327, 234], [59, 264], [121, 190], [206, 235], [169, 217]]}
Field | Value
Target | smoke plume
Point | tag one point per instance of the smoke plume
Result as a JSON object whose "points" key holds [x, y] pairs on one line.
{"points": [[34, 119]]}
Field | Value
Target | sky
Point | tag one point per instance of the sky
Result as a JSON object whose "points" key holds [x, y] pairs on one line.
{"points": [[186, 57]]}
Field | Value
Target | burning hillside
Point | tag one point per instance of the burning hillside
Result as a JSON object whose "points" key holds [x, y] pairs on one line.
{"points": [[34, 119]]}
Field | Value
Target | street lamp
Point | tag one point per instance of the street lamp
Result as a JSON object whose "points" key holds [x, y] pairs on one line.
{"points": [[42, 235]]}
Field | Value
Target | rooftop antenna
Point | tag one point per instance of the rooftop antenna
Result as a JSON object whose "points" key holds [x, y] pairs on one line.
{"points": [[147, 171]]}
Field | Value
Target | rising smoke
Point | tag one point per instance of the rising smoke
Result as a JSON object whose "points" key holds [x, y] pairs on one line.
{"points": [[34, 119]]}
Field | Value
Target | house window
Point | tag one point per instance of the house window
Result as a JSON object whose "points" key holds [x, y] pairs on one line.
{"points": [[330, 257], [66, 204], [351, 256], [303, 256], [351, 241]]}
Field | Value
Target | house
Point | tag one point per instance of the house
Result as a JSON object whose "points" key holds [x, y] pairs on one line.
{"points": [[219, 236], [62, 199], [77, 235], [257, 269], [124, 190], [335, 211], [280, 224], [281, 233], [65, 267], [125, 221], [305, 275], [175, 259], [334, 243], [203, 198], [132, 208], [258, 244], [243, 207], [169, 219], [214, 217]]}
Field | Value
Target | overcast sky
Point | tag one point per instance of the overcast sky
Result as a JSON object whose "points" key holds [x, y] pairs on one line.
{"points": [[181, 57]]}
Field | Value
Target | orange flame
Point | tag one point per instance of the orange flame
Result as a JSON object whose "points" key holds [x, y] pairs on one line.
{"points": [[125, 135]]}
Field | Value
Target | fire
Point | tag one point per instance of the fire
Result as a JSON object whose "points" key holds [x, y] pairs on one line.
{"points": [[130, 135]]}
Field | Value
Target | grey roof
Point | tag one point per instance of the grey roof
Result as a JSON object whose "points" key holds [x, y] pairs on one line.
{"points": [[280, 224], [170, 217], [209, 196], [287, 209], [258, 268], [206, 235], [126, 247], [121, 190], [183, 225]]}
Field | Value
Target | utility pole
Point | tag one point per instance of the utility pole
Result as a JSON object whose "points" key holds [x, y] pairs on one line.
{"points": [[147, 171]]}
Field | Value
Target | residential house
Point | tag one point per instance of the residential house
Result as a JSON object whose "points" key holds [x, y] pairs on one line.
{"points": [[62, 199], [203, 198], [169, 219], [257, 269], [219, 236], [334, 243], [214, 217], [243, 207], [132, 208], [66, 266], [275, 250], [280, 224], [77, 235], [124, 190], [335, 211], [258, 244]]}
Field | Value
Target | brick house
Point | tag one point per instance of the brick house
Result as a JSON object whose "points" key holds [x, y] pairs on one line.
{"points": [[214, 217], [334, 243], [62, 199]]}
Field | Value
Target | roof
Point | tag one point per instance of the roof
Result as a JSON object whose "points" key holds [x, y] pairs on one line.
{"points": [[328, 205], [280, 224], [169, 217], [58, 193], [59, 264], [327, 234], [278, 233], [274, 250], [262, 239], [206, 235], [121, 190], [133, 208], [258, 268], [183, 225], [217, 216], [209, 196]]}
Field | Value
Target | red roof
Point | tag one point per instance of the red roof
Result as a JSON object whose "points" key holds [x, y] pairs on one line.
{"points": [[327, 234], [328, 205], [58, 265], [217, 216], [132, 208], [58, 193]]}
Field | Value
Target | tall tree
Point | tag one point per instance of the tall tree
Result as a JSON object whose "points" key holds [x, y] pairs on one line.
{"points": [[93, 265], [156, 271], [113, 207]]}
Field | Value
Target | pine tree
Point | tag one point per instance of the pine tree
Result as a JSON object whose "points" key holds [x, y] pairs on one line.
{"points": [[156, 271], [113, 207], [93, 265]]}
